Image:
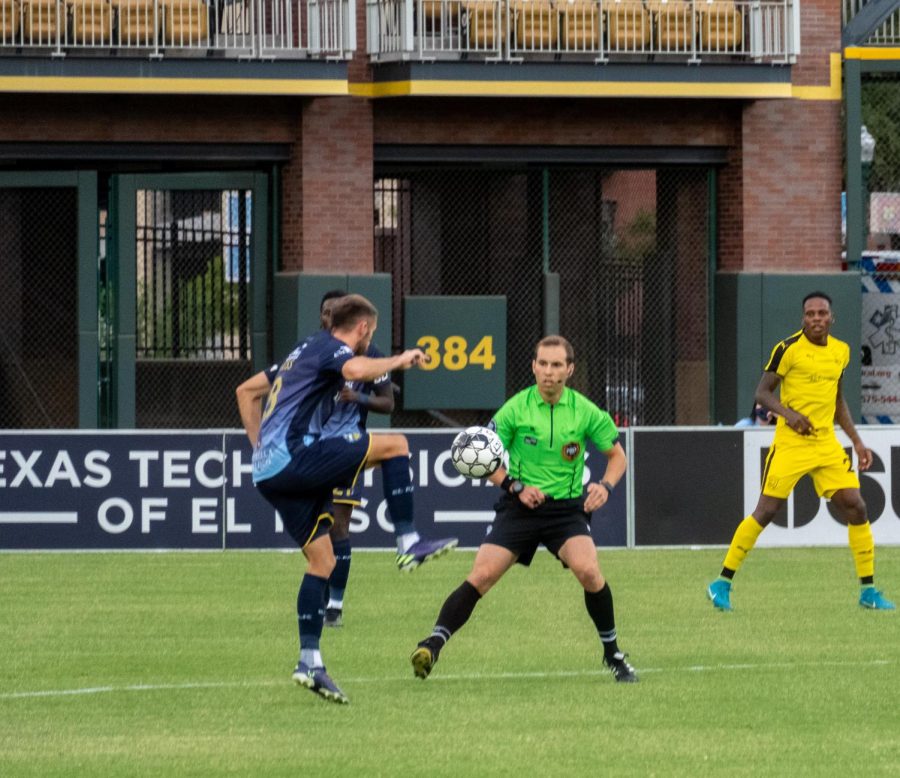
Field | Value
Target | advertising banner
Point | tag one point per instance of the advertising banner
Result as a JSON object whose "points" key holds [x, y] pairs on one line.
{"points": [[808, 520], [193, 490], [693, 487], [880, 370]]}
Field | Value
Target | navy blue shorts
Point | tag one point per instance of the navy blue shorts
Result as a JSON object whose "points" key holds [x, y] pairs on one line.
{"points": [[302, 492], [521, 530]]}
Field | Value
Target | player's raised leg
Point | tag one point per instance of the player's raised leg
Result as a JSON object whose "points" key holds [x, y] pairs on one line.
{"points": [[391, 451]]}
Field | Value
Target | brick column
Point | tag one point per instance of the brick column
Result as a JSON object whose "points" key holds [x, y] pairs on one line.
{"points": [[327, 189], [792, 186], [780, 193]]}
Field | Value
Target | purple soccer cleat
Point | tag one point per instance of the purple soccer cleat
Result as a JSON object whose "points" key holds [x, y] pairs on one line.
{"points": [[423, 551], [317, 680]]}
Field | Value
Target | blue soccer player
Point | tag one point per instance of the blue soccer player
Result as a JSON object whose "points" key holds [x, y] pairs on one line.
{"points": [[296, 465]]}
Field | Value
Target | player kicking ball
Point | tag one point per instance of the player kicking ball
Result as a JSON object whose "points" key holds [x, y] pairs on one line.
{"points": [[297, 464]]}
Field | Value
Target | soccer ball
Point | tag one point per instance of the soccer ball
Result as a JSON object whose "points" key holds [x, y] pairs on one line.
{"points": [[476, 452]]}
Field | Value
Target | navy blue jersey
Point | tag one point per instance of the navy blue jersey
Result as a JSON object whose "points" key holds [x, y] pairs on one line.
{"points": [[350, 417], [300, 402]]}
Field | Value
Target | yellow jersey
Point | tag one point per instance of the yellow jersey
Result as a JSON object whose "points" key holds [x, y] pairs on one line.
{"points": [[809, 377]]}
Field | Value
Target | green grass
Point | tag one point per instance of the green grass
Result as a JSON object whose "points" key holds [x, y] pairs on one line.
{"points": [[797, 681]]}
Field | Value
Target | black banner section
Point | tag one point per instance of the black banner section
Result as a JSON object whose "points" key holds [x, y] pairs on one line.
{"points": [[691, 486]]}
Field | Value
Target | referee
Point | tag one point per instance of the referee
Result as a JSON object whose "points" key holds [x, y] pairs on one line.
{"points": [[544, 429]]}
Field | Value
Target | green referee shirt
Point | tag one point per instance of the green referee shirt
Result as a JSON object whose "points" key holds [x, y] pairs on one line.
{"points": [[546, 442]]}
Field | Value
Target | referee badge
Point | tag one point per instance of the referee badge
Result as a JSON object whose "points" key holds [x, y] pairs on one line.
{"points": [[571, 450]]}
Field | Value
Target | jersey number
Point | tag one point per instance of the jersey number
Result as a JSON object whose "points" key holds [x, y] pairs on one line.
{"points": [[456, 355], [273, 398]]}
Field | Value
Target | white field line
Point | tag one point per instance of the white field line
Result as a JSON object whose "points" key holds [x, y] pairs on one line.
{"points": [[149, 687]]}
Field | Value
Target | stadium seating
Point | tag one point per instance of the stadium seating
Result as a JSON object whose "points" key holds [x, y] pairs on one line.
{"points": [[721, 26], [580, 25], [673, 24], [484, 21], [629, 25], [9, 21], [137, 22], [186, 22], [41, 22], [537, 24], [92, 22], [436, 11]]}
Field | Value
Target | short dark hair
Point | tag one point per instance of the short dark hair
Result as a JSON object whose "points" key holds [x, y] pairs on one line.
{"points": [[822, 295], [331, 295], [557, 340], [350, 309]]}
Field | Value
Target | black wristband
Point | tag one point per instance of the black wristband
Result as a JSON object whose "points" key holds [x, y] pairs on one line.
{"points": [[607, 485], [506, 483]]}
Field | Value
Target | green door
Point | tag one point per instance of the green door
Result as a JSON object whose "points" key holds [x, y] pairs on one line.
{"points": [[188, 268]]}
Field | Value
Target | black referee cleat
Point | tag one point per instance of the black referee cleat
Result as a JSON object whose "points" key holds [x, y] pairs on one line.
{"points": [[620, 668], [425, 657]]}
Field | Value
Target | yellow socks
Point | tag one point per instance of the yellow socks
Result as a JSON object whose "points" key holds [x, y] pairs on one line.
{"points": [[744, 539], [862, 544]]}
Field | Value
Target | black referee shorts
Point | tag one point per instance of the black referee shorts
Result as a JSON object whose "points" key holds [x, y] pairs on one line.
{"points": [[522, 530]]}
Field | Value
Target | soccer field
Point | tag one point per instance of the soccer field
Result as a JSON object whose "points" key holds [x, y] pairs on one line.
{"points": [[179, 664]]}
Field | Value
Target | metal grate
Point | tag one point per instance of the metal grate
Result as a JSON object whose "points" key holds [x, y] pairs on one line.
{"points": [[193, 330], [631, 249], [39, 308]]}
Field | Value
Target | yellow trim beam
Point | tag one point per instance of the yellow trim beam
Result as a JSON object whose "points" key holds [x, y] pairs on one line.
{"points": [[872, 52], [446, 88], [830, 92], [175, 86]]}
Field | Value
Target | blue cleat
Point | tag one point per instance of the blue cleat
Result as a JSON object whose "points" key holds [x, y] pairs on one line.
{"points": [[871, 598], [423, 551], [719, 591], [316, 680]]}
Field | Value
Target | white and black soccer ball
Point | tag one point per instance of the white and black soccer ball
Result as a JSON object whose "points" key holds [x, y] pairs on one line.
{"points": [[476, 452]]}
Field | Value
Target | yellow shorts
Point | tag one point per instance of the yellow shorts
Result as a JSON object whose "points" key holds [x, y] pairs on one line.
{"points": [[822, 458]]}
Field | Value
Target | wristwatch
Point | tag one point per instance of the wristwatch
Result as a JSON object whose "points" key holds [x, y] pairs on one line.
{"points": [[608, 486], [511, 485]]}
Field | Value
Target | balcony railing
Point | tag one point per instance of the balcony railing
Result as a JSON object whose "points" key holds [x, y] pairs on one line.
{"points": [[887, 34], [598, 30], [245, 29]]}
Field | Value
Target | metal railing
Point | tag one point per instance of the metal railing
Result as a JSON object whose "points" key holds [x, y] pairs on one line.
{"points": [[512, 30], [246, 29], [887, 34]]}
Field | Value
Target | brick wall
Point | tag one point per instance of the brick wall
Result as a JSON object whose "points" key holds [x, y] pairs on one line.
{"points": [[820, 35], [556, 122], [792, 168], [327, 189], [147, 118]]}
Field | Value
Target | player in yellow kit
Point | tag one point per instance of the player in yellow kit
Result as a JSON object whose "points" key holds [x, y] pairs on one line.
{"points": [[809, 366]]}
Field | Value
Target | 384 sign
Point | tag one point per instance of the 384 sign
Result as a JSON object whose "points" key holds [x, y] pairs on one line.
{"points": [[464, 339]]}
